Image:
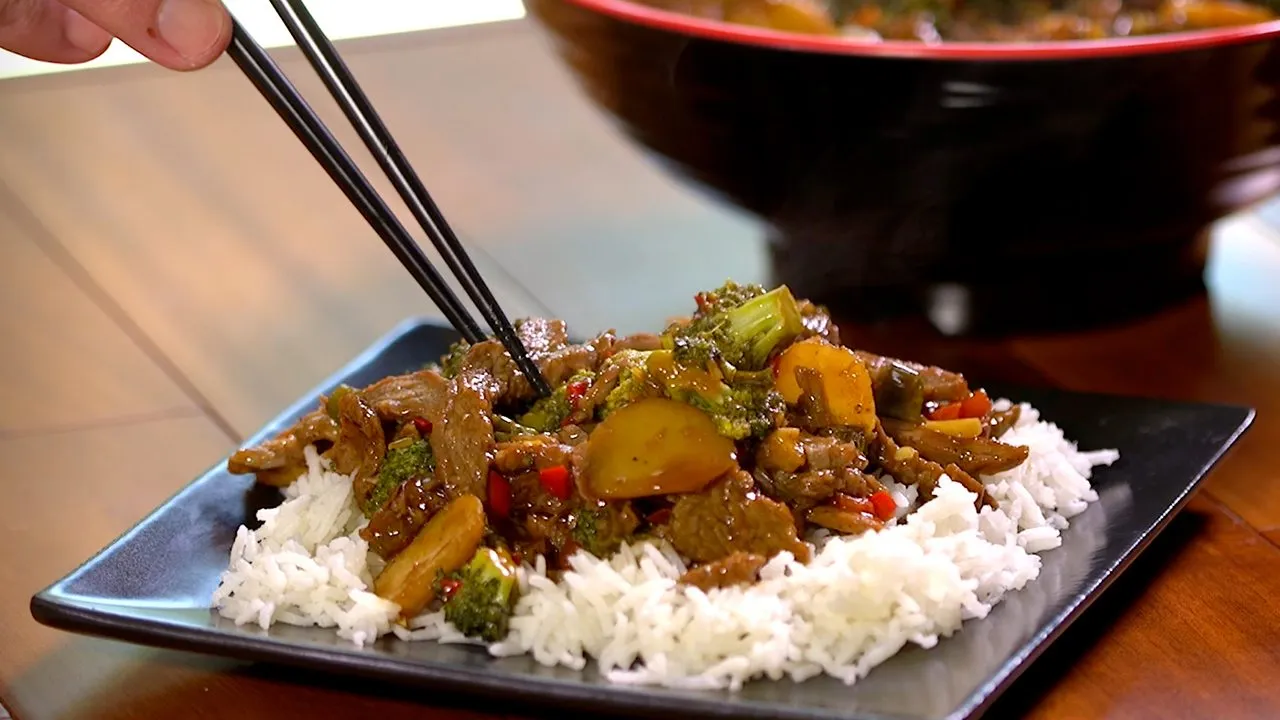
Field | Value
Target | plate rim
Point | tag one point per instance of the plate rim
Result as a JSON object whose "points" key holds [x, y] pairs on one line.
{"points": [[63, 612]]}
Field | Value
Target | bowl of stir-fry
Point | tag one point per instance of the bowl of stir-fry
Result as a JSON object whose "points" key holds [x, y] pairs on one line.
{"points": [[992, 164]]}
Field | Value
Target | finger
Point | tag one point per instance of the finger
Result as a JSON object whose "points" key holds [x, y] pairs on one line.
{"points": [[49, 31], [178, 34]]}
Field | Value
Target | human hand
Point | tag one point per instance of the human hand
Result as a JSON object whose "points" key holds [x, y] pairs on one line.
{"points": [[178, 34]]}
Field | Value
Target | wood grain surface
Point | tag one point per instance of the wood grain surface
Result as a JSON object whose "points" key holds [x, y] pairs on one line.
{"points": [[175, 270]]}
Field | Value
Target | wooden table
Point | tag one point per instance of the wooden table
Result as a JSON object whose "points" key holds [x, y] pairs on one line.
{"points": [[174, 270]]}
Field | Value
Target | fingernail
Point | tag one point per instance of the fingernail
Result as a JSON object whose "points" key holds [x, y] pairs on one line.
{"points": [[191, 27], [85, 35]]}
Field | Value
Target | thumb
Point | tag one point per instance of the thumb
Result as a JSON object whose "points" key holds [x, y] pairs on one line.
{"points": [[178, 34]]}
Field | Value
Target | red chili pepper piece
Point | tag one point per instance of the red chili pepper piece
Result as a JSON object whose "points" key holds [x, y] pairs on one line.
{"points": [[659, 517], [976, 405], [556, 481], [499, 494], [884, 504], [448, 587], [950, 411], [423, 425], [774, 365], [848, 503], [517, 557], [574, 392]]}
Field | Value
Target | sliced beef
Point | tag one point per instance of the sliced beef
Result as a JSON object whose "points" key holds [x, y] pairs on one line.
{"points": [[739, 568], [1001, 421], [280, 460], [640, 341], [939, 385], [804, 470], [557, 366], [463, 441], [976, 456], [729, 517], [361, 444], [397, 523], [817, 321], [541, 337], [400, 398], [907, 467], [529, 452], [594, 397]]}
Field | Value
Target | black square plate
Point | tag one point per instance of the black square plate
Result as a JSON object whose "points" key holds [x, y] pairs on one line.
{"points": [[153, 585]]}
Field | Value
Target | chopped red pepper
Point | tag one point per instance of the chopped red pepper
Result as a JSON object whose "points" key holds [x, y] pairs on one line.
{"points": [[556, 480], [448, 587], [848, 503], [659, 517], [701, 300], [574, 392], [884, 504], [774, 365], [423, 425], [499, 494], [517, 557], [976, 405], [950, 411]]}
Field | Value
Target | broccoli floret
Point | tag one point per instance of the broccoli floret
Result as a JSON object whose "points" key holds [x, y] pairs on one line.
{"points": [[740, 411], [451, 363], [738, 324], [726, 297], [633, 380], [550, 412], [483, 595], [404, 460], [742, 405]]}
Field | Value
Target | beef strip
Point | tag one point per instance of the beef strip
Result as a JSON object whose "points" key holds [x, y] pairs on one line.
{"points": [[731, 516], [395, 525], [541, 337], [464, 440], [817, 321], [639, 341], [907, 467], [400, 398], [1001, 421], [976, 456], [280, 460], [939, 385], [512, 388], [595, 395], [804, 470], [739, 568], [529, 452], [361, 444]]}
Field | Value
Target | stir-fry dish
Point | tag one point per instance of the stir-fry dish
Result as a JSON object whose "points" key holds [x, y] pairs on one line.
{"points": [[734, 435], [935, 21]]}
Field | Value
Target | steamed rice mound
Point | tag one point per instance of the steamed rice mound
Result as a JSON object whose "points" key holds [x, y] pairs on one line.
{"points": [[856, 603]]}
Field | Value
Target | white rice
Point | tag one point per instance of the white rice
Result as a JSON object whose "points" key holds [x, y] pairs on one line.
{"points": [[853, 606]]}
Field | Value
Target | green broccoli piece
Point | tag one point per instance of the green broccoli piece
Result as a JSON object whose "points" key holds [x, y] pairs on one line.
{"points": [[406, 459], [451, 363], [740, 411], [746, 406], [483, 595], [738, 324], [633, 380], [550, 412], [726, 297]]}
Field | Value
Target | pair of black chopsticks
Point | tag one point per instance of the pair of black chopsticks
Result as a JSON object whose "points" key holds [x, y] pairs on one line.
{"points": [[258, 66]]}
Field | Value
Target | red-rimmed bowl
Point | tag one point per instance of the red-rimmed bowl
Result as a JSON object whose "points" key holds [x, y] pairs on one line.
{"points": [[993, 185]]}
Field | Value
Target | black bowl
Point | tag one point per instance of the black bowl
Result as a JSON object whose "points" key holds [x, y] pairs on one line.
{"points": [[995, 186]]}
